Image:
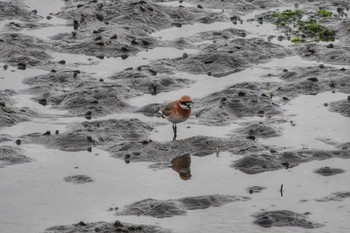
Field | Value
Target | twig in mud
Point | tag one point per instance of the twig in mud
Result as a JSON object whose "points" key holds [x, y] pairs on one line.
{"points": [[281, 190]]}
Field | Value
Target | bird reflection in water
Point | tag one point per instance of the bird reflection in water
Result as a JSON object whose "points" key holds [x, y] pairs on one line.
{"points": [[182, 165]]}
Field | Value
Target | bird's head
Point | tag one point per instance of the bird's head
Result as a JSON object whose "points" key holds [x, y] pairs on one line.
{"points": [[185, 102]]}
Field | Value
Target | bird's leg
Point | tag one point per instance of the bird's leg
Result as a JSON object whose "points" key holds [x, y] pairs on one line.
{"points": [[174, 129]]}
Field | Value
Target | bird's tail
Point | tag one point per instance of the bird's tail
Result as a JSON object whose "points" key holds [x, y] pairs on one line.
{"points": [[162, 114]]}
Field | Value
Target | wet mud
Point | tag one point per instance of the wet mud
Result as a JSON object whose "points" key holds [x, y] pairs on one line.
{"points": [[269, 82], [169, 208], [10, 155], [116, 226], [284, 218]]}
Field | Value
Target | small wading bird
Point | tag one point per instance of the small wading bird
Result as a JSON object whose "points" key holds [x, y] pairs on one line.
{"points": [[177, 111]]}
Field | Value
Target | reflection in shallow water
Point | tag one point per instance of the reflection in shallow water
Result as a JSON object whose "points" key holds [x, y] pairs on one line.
{"points": [[182, 165]]}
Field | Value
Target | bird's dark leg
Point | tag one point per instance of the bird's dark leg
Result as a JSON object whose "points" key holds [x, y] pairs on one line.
{"points": [[174, 129]]}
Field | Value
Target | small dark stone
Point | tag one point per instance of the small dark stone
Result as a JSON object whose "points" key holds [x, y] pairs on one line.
{"points": [[325, 104], [57, 132], [80, 5], [321, 66], [124, 56], [47, 132], [285, 70], [75, 24], [114, 37], [117, 223], [97, 229], [286, 165], [251, 137], [98, 38], [81, 223], [199, 6], [261, 113], [43, 102], [88, 113], [285, 98], [330, 46], [177, 25], [21, 66], [18, 142], [100, 43], [251, 191], [100, 17], [210, 73], [2, 104], [241, 93], [89, 149], [53, 71], [5, 67], [348, 97], [313, 79], [145, 142], [62, 62], [343, 69], [101, 80], [89, 138], [184, 55]]}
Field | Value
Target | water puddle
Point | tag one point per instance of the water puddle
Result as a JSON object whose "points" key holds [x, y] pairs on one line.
{"points": [[164, 133], [12, 78], [48, 32], [117, 184], [313, 121]]}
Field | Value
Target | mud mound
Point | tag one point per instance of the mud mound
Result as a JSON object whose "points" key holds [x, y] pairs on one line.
{"points": [[235, 102], [242, 6], [162, 153], [16, 10], [225, 57], [252, 164], [18, 48], [328, 171], [79, 93], [147, 81], [10, 155], [10, 115], [105, 227], [169, 208], [283, 218], [312, 80], [78, 179], [83, 136], [257, 163], [116, 28], [342, 107], [259, 129], [337, 196], [339, 55]]}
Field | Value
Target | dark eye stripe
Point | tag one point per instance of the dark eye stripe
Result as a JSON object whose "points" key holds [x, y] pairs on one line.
{"points": [[186, 102]]}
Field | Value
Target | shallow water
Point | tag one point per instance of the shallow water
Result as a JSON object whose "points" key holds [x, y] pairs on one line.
{"points": [[314, 123]]}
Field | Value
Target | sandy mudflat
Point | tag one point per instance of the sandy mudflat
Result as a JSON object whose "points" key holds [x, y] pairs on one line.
{"points": [[83, 148]]}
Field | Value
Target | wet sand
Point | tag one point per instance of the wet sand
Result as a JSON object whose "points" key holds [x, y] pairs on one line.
{"points": [[83, 149]]}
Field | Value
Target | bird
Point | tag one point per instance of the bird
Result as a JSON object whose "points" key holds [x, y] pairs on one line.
{"points": [[177, 111]]}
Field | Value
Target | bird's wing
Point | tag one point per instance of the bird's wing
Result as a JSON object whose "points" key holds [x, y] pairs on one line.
{"points": [[167, 109]]}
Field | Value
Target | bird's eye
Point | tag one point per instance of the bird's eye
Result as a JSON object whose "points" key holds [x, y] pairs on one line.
{"points": [[186, 102]]}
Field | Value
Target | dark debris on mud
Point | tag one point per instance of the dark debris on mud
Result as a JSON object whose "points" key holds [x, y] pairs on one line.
{"points": [[169, 208], [329, 171]]}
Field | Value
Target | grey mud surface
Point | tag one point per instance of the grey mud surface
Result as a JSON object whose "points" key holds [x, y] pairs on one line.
{"points": [[169, 208], [121, 29]]}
